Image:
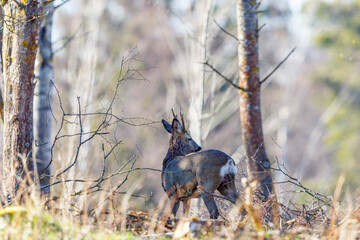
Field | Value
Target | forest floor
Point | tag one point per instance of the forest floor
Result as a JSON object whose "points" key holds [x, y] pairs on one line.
{"points": [[33, 221]]}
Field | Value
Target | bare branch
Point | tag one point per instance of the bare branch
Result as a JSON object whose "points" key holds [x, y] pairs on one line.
{"points": [[126, 177], [80, 142], [276, 68], [215, 195], [261, 27], [225, 31], [258, 4], [62, 3], [58, 132], [292, 180], [225, 78], [145, 168], [107, 118], [77, 134], [68, 40]]}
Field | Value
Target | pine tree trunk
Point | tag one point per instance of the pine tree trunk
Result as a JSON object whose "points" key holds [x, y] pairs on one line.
{"points": [[20, 43], [43, 100], [258, 164]]}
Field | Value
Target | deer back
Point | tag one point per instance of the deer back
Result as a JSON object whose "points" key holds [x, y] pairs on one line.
{"points": [[185, 168], [207, 168]]}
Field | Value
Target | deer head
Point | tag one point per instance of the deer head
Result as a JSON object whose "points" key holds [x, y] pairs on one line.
{"points": [[181, 143]]}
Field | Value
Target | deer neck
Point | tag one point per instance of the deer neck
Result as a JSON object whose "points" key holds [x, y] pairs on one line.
{"points": [[176, 147], [171, 154]]}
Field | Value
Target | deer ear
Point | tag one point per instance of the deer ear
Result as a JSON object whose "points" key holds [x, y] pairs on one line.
{"points": [[167, 126], [176, 125]]}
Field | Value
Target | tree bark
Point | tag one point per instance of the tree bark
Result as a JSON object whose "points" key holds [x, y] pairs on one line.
{"points": [[43, 100], [258, 165], [20, 42]]}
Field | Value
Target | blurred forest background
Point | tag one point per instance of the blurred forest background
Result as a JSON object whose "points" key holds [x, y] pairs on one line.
{"points": [[310, 105]]}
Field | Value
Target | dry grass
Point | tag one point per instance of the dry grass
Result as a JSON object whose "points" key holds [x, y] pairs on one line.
{"points": [[69, 218]]}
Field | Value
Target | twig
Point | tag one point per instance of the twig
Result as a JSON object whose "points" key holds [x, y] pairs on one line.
{"points": [[58, 132], [225, 78], [126, 177], [136, 169], [101, 179], [77, 134], [128, 120], [296, 182], [107, 119], [67, 40], [276, 68], [60, 4], [261, 27], [215, 195], [225, 31], [80, 142]]}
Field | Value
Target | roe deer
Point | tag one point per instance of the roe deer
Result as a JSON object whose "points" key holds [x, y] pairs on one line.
{"points": [[188, 173]]}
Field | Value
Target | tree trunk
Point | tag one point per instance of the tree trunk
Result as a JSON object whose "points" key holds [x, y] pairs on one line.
{"points": [[20, 43], [258, 165], [43, 100], [198, 53]]}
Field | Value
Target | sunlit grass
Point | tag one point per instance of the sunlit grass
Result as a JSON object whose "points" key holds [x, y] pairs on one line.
{"points": [[32, 221]]}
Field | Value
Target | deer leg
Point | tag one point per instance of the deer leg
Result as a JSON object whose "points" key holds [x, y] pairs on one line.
{"points": [[172, 206], [186, 207], [209, 186], [227, 188], [175, 208], [210, 205]]}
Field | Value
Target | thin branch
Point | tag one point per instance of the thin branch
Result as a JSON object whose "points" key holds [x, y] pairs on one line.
{"points": [[107, 119], [152, 169], [215, 195], [67, 40], [225, 78], [60, 128], [77, 134], [225, 31], [258, 4], [276, 68], [60, 4], [80, 142], [128, 120], [261, 27], [119, 170], [126, 177], [296, 182]]}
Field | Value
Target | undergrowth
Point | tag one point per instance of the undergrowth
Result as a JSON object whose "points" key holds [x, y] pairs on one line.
{"points": [[32, 221]]}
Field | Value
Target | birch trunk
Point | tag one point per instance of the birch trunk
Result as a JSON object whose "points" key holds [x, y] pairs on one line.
{"points": [[198, 53], [43, 99], [258, 165], [20, 43]]}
